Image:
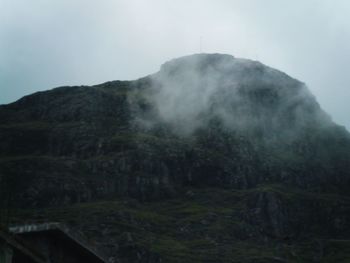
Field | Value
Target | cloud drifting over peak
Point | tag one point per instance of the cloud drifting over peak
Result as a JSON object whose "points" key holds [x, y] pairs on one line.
{"points": [[220, 91], [45, 44]]}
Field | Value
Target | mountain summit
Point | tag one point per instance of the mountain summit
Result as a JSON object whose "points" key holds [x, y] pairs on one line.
{"points": [[243, 94], [211, 159]]}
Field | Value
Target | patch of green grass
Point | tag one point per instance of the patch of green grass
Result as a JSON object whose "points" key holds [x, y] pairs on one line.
{"points": [[204, 227], [33, 125]]}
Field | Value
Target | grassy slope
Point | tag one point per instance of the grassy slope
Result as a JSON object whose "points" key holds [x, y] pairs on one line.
{"points": [[206, 225]]}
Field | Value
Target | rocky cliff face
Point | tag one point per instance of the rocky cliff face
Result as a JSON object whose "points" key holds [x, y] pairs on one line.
{"points": [[237, 152]]}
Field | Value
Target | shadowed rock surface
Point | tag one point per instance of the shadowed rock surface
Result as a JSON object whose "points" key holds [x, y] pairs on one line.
{"points": [[211, 159]]}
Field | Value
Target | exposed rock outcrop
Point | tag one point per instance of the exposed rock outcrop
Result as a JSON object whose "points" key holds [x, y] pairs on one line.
{"points": [[202, 121]]}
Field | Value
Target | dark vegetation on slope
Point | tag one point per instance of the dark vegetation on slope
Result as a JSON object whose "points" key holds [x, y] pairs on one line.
{"points": [[258, 173]]}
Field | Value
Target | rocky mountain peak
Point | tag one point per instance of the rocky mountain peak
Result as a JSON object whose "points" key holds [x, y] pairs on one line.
{"points": [[211, 159], [190, 91]]}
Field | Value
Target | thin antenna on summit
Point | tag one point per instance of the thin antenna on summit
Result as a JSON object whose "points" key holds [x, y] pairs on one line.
{"points": [[200, 44], [256, 57]]}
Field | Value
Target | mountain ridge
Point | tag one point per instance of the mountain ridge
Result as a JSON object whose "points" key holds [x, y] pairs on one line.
{"points": [[239, 151]]}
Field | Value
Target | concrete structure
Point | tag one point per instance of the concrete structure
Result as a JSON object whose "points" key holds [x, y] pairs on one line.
{"points": [[13, 250], [45, 243]]}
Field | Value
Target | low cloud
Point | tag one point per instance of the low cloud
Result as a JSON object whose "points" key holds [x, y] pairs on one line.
{"points": [[190, 92]]}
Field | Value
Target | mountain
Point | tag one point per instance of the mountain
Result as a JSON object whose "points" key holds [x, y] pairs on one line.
{"points": [[211, 159]]}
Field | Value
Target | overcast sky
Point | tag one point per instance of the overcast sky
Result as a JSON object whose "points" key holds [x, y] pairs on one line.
{"points": [[50, 43]]}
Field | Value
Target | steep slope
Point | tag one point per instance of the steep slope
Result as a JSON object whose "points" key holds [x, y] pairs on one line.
{"points": [[234, 151]]}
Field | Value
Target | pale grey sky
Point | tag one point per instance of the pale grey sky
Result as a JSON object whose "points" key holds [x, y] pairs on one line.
{"points": [[50, 43]]}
